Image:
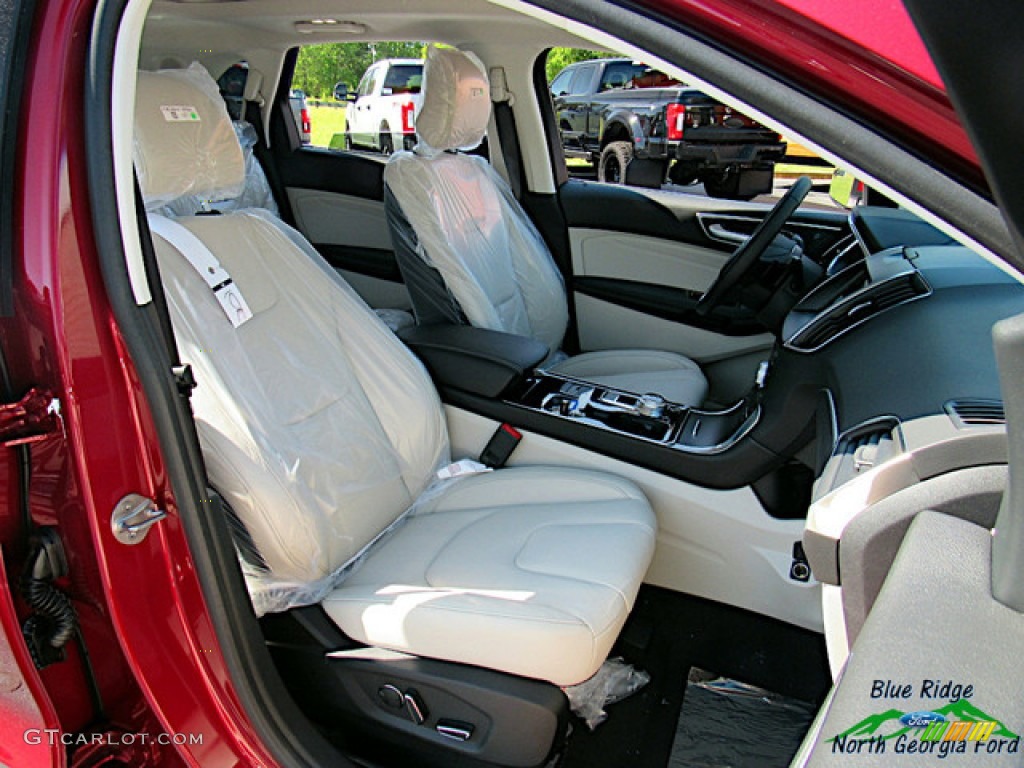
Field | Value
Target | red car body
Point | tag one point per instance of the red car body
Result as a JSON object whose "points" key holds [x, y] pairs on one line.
{"points": [[144, 618]]}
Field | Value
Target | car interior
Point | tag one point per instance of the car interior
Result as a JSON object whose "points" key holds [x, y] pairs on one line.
{"points": [[717, 444]]}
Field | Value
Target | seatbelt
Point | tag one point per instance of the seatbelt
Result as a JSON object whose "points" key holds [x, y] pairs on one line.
{"points": [[265, 158], [206, 265], [508, 136], [499, 448]]}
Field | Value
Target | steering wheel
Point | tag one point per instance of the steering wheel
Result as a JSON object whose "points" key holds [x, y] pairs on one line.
{"points": [[746, 255]]}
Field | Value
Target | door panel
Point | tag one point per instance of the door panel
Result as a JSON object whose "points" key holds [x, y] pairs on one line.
{"points": [[330, 217], [352, 234], [359, 115], [642, 258], [336, 201], [677, 216]]}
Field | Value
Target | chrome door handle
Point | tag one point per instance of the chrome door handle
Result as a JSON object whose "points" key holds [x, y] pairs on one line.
{"points": [[719, 231]]}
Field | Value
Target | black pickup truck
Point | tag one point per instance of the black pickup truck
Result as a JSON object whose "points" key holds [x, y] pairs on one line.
{"points": [[641, 127]]}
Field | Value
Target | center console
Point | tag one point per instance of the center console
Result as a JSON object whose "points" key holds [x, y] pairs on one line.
{"points": [[647, 417], [501, 377]]}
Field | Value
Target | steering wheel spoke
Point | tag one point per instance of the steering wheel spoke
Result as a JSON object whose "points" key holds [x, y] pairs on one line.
{"points": [[750, 251]]}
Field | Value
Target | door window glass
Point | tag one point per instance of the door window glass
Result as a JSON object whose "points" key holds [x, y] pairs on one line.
{"points": [[674, 138], [360, 67]]}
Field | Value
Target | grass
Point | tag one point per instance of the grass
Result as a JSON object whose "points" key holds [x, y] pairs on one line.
{"points": [[326, 121]]}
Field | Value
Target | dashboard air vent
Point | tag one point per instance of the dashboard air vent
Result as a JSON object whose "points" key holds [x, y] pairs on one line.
{"points": [[858, 308], [973, 412], [869, 447], [861, 449]]}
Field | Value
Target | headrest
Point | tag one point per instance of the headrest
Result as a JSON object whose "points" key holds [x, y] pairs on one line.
{"points": [[184, 141], [456, 100]]}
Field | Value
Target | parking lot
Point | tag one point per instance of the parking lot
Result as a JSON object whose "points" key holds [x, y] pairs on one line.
{"points": [[330, 119]]}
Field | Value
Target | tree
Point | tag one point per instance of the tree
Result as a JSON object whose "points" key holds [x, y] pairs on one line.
{"points": [[322, 65], [560, 58]]}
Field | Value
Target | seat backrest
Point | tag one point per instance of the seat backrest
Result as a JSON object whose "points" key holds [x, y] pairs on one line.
{"points": [[256, 192], [317, 425], [454, 213]]}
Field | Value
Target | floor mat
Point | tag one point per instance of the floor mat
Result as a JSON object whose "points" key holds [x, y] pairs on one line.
{"points": [[667, 635], [727, 724]]}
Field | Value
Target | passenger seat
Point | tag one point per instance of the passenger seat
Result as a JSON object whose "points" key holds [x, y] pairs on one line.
{"points": [[469, 254], [324, 434]]}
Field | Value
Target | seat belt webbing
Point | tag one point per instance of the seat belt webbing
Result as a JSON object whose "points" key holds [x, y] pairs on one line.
{"points": [[206, 265], [508, 136]]}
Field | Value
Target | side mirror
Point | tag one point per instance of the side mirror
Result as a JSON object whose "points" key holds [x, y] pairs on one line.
{"points": [[341, 92]]}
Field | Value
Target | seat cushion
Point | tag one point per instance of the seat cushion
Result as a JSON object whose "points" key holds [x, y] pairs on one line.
{"points": [[531, 571], [674, 377]]}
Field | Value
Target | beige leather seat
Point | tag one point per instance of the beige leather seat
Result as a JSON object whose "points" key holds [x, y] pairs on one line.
{"points": [[324, 434], [469, 253]]}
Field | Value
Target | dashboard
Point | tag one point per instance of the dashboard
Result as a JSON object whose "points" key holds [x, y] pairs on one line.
{"points": [[911, 415]]}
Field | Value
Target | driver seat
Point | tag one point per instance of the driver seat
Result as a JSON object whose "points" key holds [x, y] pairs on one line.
{"points": [[469, 254]]}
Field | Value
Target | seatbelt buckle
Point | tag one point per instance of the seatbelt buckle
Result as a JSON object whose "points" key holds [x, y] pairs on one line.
{"points": [[498, 449]]}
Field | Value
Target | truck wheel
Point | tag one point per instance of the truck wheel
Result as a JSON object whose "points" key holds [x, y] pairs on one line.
{"points": [[384, 141], [348, 137], [615, 157]]}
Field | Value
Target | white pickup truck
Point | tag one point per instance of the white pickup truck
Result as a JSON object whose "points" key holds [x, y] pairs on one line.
{"points": [[382, 112]]}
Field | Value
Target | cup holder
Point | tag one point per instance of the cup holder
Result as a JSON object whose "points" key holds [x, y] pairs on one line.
{"points": [[646, 417]]}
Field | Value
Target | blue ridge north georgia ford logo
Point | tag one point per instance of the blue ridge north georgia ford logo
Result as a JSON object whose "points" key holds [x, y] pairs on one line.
{"points": [[957, 727]]}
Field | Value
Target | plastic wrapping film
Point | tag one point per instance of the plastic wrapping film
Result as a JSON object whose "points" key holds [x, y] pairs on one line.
{"points": [[463, 219], [318, 427], [467, 225], [271, 593], [614, 681], [456, 103], [184, 143], [432, 302], [395, 319], [255, 192]]}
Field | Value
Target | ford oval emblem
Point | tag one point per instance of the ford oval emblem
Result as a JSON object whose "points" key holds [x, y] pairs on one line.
{"points": [[921, 719]]}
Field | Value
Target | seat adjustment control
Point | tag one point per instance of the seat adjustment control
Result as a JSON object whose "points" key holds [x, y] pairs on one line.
{"points": [[415, 707], [454, 729]]}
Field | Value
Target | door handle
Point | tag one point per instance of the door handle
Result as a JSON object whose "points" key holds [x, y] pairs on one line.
{"points": [[719, 232]]}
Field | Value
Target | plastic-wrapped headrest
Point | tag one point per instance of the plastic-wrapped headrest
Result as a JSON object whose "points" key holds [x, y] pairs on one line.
{"points": [[184, 141], [456, 100]]}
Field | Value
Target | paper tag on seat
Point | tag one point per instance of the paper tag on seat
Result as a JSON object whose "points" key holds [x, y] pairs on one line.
{"points": [[461, 468], [233, 303], [180, 113]]}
